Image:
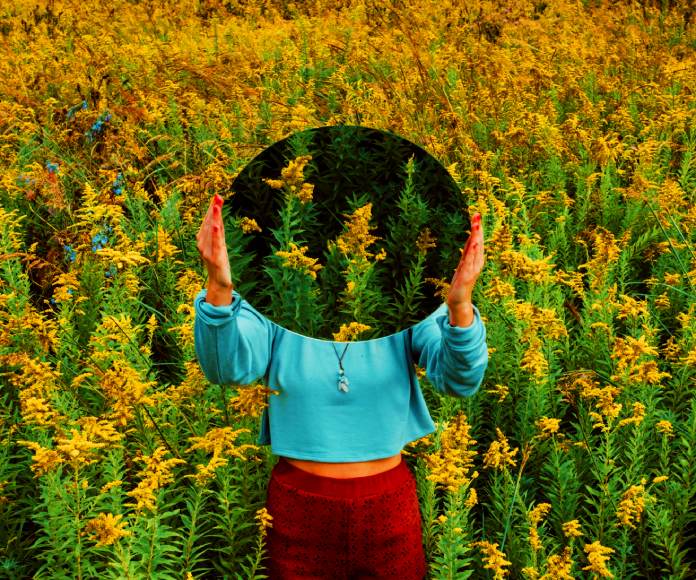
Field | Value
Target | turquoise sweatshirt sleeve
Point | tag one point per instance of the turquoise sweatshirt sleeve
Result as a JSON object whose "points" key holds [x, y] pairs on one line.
{"points": [[233, 342], [455, 358]]}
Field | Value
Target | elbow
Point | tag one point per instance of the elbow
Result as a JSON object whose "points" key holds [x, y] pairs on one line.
{"points": [[467, 383], [243, 366]]}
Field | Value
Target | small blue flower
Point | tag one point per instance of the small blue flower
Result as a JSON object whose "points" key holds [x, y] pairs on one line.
{"points": [[100, 240], [71, 111], [70, 252], [52, 167], [52, 300], [117, 186], [98, 125], [110, 272]]}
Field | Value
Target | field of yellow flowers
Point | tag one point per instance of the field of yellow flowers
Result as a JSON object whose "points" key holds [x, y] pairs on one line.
{"points": [[571, 127]]}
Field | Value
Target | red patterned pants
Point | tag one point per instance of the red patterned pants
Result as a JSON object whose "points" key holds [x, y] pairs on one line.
{"points": [[334, 528]]}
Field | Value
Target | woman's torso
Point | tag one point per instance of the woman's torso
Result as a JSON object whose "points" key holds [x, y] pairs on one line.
{"points": [[346, 470]]}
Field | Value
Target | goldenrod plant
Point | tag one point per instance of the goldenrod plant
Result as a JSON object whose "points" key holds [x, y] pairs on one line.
{"points": [[568, 125]]}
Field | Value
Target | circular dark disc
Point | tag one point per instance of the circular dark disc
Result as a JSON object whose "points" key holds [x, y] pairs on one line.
{"points": [[350, 166]]}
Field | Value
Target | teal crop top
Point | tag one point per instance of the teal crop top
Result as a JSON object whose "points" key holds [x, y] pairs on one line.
{"points": [[311, 418]]}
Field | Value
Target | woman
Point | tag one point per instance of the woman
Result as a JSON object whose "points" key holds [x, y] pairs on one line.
{"points": [[343, 502]]}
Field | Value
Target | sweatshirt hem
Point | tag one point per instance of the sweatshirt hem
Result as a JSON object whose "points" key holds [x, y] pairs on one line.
{"points": [[343, 458]]}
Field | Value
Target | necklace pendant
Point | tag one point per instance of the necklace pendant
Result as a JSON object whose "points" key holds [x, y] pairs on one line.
{"points": [[343, 383]]}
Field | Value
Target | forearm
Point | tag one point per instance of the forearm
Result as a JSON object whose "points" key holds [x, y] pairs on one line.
{"points": [[218, 295]]}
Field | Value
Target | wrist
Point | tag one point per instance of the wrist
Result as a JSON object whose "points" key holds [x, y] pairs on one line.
{"points": [[219, 294], [461, 313]]}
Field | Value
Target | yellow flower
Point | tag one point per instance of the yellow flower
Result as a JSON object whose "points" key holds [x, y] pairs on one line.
{"points": [[107, 528], [548, 426], [501, 391], [293, 173], [274, 183], [37, 410], [442, 287], [292, 179], [559, 566], [494, 559], [597, 557], [472, 499], [297, 260], [571, 529], [662, 301], [306, 192], [499, 454], [631, 505], [249, 225], [218, 441], [606, 252], [452, 465], [538, 513], [155, 474], [100, 429], [79, 449], [252, 400], [67, 285], [125, 389], [660, 478], [630, 307], [535, 516], [664, 427], [627, 351], [265, 520], [165, 247], [109, 486], [349, 332], [44, 460], [638, 415], [356, 239]]}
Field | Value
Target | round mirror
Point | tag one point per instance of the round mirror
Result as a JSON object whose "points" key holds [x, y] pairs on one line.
{"points": [[344, 232]]}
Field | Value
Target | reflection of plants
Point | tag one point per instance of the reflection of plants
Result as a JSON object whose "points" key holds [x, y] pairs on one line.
{"points": [[408, 242], [360, 298], [295, 292]]}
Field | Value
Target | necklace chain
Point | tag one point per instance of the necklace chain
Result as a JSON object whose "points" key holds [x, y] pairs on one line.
{"points": [[340, 359], [342, 378]]}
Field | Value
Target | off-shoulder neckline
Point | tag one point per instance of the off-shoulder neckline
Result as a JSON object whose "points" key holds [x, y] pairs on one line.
{"points": [[339, 341], [370, 340]]}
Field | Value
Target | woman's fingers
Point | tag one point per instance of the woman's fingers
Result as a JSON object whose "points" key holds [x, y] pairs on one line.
{"points": [[211, 233], [204, 230], [472, 253]]}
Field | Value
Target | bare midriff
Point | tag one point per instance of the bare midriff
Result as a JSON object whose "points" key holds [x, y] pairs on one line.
{"points": [[346, 470]]}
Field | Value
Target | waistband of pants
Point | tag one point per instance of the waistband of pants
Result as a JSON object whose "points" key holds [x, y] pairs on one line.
{"points": [[349, 487]]}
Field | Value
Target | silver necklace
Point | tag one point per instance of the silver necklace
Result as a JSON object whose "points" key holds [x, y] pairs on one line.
{"points": [[342, 378]]}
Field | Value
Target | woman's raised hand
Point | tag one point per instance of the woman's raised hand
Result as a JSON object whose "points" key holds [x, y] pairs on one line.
{"points": [[469, 268], [213, 249]]}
